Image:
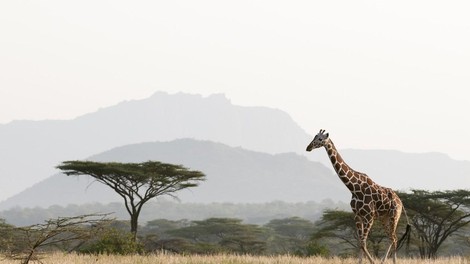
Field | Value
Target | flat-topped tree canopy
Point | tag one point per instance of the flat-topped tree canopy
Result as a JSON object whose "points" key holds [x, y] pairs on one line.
{"points": [[136, 182], [156, 177]]}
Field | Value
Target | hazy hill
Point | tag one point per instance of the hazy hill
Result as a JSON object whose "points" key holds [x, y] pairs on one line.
{"points": [[242, 176], [400, 170], [404, 171], [233, 175], [31, 149]]}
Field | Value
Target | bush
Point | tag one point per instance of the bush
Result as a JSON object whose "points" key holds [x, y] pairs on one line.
{"points": [[315, 249], [113, 241], [6, 236]]}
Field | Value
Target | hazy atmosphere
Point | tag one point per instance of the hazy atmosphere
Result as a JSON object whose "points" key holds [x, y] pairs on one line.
{"points": [[375, 74], [109, 109]]}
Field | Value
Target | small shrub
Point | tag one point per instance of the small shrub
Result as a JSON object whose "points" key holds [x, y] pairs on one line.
{"points": [[113, 241], [315, 249]]}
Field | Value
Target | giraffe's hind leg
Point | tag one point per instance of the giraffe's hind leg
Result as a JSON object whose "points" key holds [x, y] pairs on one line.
{"points": [[390, 225], [386, 225], [392, 248]]}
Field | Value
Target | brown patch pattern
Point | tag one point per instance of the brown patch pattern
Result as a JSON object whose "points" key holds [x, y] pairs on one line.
{"points": [[369, 201]]}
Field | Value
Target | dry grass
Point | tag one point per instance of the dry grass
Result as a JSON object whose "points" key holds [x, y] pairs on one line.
{"points": [[59, 258]]}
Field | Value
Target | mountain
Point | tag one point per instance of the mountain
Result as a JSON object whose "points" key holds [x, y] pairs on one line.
{"points": [[400, 170], [238, 175], [404, 171], [233, 175], [31, 149]]}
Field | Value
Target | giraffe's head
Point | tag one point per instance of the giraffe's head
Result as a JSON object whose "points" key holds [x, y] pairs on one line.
{"points": [[318, 141]]}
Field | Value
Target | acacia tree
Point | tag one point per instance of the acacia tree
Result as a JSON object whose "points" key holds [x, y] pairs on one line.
{"points": [[340, 225], [136, 183], [435, 216], [290, 235]]}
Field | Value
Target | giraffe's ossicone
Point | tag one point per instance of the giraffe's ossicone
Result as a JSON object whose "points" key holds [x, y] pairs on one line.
{"points": [[369, 201]]}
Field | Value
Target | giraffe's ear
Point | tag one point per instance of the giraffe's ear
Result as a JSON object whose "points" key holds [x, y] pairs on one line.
{"points": [[327, 135]]}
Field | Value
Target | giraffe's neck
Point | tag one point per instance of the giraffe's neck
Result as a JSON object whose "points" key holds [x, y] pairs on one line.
{"points": [[345, 173]]}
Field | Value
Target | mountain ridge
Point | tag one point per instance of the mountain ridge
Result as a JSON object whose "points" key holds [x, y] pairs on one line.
{"points": [[286, 176], [233, 174], [31, 149]]}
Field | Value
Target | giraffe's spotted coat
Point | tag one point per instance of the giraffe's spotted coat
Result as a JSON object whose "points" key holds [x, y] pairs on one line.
{"points": [[369, 201]]}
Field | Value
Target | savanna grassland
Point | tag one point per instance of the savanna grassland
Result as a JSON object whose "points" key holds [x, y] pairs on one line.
{"points": [[60, 258]]}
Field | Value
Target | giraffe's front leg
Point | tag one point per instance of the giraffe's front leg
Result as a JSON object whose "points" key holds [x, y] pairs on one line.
{"points": [[363, 225]]}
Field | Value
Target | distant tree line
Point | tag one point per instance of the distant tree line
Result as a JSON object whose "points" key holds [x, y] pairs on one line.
{"points": [[439, 219], [252, 213], [92, 235]]}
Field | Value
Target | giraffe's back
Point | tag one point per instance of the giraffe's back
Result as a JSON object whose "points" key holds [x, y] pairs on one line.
{"points": [[372, 200], [388, 204]]}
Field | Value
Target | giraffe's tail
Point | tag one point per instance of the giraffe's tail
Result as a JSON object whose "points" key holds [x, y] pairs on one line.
{"points": [[407, 236]]}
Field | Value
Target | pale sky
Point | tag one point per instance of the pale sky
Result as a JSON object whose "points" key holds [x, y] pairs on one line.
{"points": [[375, 74]]}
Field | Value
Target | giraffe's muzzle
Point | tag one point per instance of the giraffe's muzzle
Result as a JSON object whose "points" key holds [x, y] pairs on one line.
{"points": [[309, 147]]}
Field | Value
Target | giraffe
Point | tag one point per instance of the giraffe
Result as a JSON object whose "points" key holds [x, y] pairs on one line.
{"points": [[369, 201]]}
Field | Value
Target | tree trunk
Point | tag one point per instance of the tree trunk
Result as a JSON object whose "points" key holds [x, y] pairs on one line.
{"points": [[28, 257], [134, 225]]}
